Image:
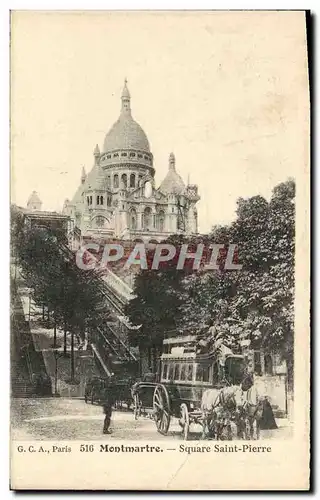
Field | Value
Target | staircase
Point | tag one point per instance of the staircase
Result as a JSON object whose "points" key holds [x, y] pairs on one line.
{"points": [[27, 368], [108, 349], [21, 386]]}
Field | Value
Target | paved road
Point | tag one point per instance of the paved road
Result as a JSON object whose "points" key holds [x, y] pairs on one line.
{"points": [[60, 418]]}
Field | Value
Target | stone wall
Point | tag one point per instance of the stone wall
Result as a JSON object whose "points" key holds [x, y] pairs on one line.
{"points": [[274, 387]]}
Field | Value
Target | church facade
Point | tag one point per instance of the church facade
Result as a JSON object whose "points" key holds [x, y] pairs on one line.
{"points": [[119, 199]]}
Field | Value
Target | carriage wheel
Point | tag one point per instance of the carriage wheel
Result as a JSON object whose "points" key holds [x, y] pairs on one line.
{"points": [[161, 409], [185, 421], [136, 407]]}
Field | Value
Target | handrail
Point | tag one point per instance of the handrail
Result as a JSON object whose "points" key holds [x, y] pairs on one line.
{"points": [[108, 342], [123, 344], [95, 350]]}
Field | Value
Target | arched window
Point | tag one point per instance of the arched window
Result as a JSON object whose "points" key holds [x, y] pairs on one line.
{"points": [[101, 200], [124, 180], [133, 219], [161, 219], [98, 200], [147, 218], [116, 181], [108, 181], [109, 199], [90, 200], [132, 180]]}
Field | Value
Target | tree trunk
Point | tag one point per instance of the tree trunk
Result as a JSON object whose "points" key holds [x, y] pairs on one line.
{"points": [[72, 356], [290, 372], [149, 357], [55, 334], [43, 312], [65, 339]]}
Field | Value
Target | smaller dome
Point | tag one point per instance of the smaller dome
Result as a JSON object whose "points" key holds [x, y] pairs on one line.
{"points": [[34, 198], [34, 202], [77, 198], [95, 179], [172, 183]]}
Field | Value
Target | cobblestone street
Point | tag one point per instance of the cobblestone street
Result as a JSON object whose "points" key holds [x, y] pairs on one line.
{"points": [[60, 418]]}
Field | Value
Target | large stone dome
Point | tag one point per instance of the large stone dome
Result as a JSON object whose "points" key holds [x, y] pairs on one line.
{"points": [[126, 133]]}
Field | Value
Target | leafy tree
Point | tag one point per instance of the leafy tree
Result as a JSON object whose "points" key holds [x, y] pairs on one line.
{"points": [[255, 302], [74, 297]]}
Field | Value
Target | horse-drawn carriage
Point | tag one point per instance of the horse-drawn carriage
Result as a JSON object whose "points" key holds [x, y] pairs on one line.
{"points": [[185, 376]]}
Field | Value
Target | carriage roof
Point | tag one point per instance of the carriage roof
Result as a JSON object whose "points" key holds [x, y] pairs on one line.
{"points": [[196, 358], [179, 340], [185, 349]]}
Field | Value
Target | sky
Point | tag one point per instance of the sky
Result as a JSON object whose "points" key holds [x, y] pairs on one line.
{"points": [[225, 91]]}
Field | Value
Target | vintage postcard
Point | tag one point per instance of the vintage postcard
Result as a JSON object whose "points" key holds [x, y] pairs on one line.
{"points": [[160, 165]]}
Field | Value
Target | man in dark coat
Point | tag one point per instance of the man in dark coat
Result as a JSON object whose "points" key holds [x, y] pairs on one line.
{"points": [[108, 402]]}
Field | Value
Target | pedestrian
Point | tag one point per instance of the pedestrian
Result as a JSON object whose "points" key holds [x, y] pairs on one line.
{"points": [[108, 401], [267, 420]]}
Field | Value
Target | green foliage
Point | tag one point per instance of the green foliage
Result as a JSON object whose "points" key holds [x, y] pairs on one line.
{"points": [[255, 302], [73, 296]]}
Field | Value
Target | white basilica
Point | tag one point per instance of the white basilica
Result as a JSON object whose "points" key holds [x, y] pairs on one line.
{"points": [[118, 198]]}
